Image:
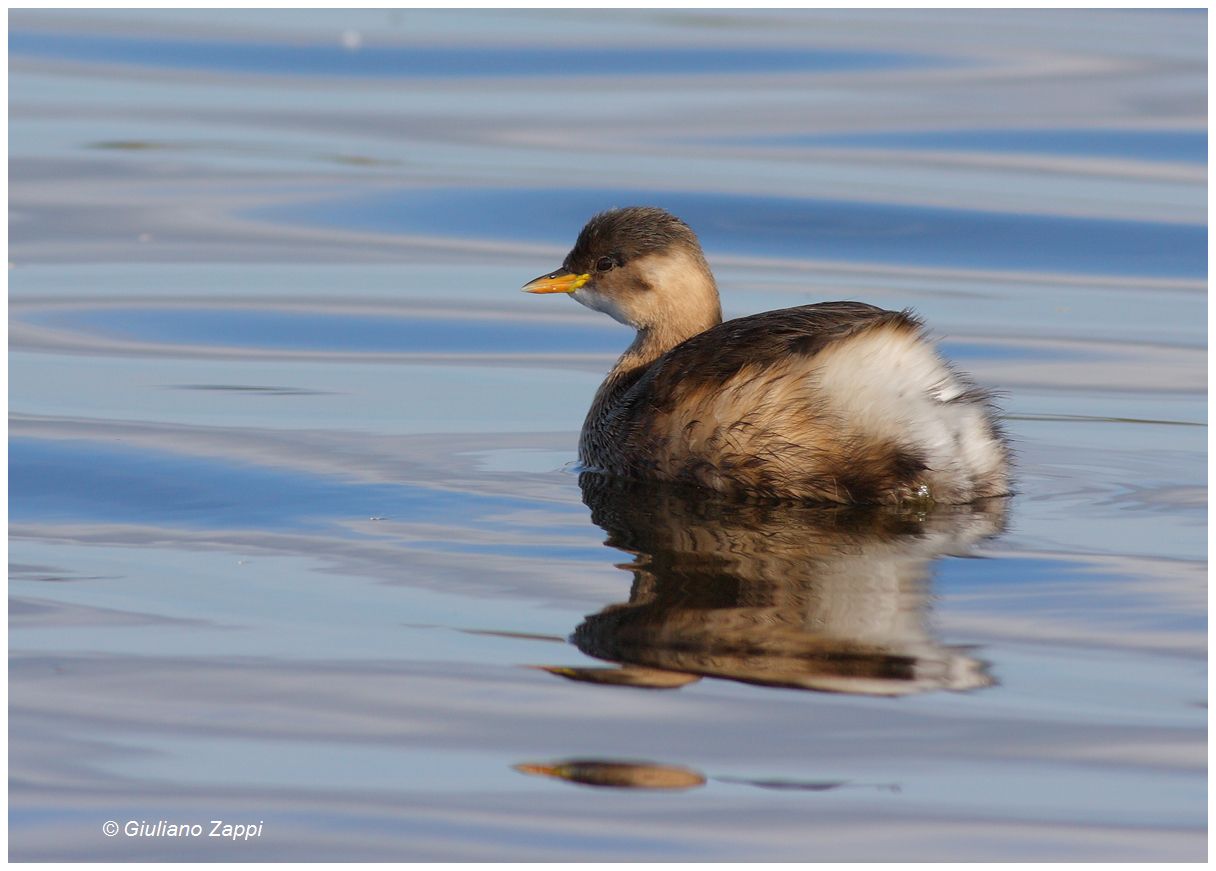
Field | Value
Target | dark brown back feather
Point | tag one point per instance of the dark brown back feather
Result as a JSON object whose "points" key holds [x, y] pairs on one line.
{"points": [[763, 339]]}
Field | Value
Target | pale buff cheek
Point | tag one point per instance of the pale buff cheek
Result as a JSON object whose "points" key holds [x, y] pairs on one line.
{"points": [[670, 294], [683, 293]]}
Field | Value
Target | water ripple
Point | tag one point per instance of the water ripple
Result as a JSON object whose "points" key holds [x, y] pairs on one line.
{"points": [[788, 227], [1189, 146], [451, 61]]}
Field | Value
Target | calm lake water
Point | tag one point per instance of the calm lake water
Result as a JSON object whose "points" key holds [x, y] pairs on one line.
{"points": [[297, 537]]}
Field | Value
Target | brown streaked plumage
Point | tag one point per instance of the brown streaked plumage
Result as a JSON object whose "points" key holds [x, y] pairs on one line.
{"points": [[838, 402]]}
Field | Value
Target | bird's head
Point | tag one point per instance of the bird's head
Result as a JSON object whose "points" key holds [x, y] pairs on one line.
{"points": [[641, 265]]}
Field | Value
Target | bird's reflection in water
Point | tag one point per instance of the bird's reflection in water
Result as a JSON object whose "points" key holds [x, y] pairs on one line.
{"points": [[828, 599]]}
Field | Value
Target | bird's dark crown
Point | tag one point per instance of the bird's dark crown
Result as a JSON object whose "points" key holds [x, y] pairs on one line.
{"points": [[626, 234]]}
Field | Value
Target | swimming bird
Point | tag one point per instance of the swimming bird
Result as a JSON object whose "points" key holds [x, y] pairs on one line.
{"points": [[837, 402]]}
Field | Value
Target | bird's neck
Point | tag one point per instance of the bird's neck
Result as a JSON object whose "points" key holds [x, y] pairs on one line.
{"points": [[687, 307], [649, 345]]}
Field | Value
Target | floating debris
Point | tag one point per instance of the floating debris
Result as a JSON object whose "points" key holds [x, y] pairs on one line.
{"points": [[620, 775]]}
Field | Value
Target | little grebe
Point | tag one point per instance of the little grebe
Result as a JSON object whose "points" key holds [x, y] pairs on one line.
{"points": [[837, 402]]}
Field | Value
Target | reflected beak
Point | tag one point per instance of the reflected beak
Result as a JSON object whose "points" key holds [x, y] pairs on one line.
{"points": [[557, 282]]}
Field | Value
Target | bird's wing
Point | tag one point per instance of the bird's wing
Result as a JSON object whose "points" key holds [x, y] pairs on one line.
{"points": [[755, 343]]}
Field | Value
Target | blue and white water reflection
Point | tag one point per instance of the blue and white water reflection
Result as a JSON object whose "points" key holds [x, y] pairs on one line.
{"points": [[295, 534], [350, 57], [1189, 146], [781, 226]]}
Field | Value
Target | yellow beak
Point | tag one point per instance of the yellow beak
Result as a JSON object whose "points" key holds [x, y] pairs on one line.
{"points": [[557, 282]]}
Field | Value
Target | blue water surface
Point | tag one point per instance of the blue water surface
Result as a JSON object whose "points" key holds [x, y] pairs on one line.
{"points": [[63, 480], [789, 227], [287, 330], [308, 331], [1188, 146], [448, 61]]}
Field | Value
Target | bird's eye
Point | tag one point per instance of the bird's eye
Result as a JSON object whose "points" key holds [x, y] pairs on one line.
{"points": [[604, 264]]}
